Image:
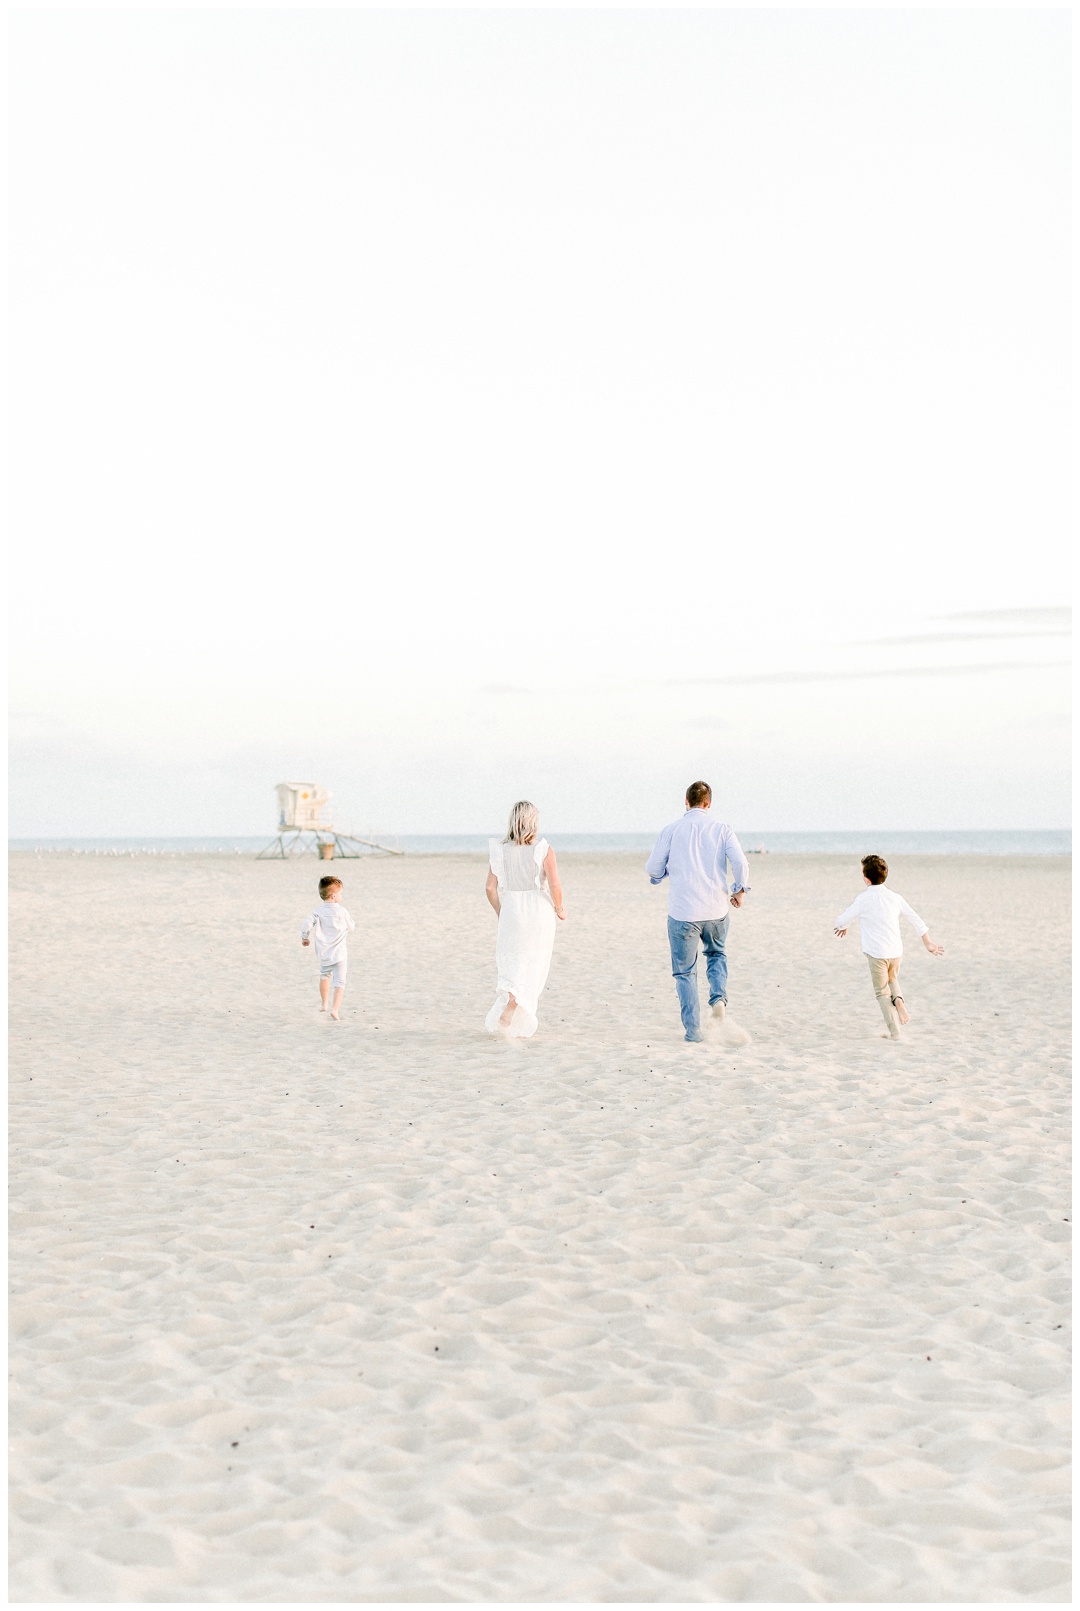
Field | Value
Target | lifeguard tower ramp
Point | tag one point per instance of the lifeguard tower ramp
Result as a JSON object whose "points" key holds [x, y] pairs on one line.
{"points": [[304, 828]]}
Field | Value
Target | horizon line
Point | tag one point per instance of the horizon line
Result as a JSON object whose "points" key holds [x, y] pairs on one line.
{"points": [[480, 833]]}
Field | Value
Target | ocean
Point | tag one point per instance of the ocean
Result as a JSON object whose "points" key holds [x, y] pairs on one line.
{"points": [[853, 842]]}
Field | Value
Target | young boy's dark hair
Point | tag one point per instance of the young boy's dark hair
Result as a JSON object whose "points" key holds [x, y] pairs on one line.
{"points": [[875, 869], [698, 795], [327, 884]]}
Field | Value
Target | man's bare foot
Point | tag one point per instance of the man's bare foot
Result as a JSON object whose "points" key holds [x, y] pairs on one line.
{"points": [[900, 1010], [735, 1035], [718, 1009]]}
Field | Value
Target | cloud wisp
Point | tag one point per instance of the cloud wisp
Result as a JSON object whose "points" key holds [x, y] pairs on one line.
{"points": [[963, 637], [1045, 618], [986, 626], [856, 675]]}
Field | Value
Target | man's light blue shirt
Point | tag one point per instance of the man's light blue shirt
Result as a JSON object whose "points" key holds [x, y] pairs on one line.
{"points": [[693, 855]]}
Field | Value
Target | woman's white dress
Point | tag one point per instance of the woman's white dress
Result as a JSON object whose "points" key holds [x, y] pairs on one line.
{"points": [[526, 933]]}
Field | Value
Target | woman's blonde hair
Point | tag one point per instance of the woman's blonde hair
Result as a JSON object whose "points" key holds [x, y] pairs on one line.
{"points": [[524, 821]]}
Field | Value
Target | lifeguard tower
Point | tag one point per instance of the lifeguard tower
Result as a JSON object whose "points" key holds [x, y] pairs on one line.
{"points": [[304, 828]]}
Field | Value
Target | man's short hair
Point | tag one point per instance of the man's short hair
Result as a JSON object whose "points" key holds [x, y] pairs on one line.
{"points": [[875, 868], [697, 795], [327, 884]]}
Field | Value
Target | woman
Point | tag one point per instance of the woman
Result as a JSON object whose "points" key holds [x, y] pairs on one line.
{"points": [[523, 887]]}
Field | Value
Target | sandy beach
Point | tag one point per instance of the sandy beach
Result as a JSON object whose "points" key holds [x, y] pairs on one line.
{"points": [[388, 1310]]}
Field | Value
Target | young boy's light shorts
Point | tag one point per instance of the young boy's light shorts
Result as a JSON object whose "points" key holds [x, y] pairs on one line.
{"points": [[335, 972]]}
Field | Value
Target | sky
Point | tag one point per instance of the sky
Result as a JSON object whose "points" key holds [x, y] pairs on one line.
{"points": [[455, 406]]}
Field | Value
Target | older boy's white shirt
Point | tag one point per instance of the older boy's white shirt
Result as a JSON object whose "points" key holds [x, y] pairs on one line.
{"points": [[878, 910], [329, 926]]}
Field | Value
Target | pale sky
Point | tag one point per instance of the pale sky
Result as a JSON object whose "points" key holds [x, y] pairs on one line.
{"points": [[454, 406]]}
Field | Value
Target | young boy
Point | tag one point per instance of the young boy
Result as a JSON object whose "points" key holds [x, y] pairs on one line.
{"points": [[330, 923], [878, 910]]}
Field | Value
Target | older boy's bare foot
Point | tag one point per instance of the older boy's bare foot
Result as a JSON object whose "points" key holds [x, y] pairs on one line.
{"points": [[900, 1010], [892, 1034]]}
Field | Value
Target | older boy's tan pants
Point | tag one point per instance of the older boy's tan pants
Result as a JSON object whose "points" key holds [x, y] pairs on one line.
{"points": [[883, 973]]}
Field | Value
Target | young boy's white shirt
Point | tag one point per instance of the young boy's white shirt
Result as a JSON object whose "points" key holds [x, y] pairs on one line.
{"points": [[329, 925], [878, 910]]}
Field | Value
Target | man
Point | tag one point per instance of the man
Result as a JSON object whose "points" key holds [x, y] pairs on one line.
{"points": [[693, 855]]}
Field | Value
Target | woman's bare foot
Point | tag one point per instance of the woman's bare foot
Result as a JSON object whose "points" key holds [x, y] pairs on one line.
{"points": [[508, 1016], [900, 1010]]}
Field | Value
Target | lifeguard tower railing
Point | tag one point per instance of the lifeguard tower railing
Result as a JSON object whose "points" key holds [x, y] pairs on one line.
{"points": [[328, 845], [304, 829]]}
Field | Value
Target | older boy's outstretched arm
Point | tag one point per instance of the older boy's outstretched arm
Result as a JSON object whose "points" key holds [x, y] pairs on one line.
{"points": [[844, 921], [921, 929]]}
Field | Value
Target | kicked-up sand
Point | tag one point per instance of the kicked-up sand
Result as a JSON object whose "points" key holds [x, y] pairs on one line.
{"points": [[388, 1310]]}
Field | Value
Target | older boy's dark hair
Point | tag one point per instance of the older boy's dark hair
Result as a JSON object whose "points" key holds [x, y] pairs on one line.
{"points": [[697, 795], [875, 869], [327, 884]]}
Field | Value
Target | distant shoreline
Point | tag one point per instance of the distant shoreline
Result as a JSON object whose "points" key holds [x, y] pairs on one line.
{"points": [[945, 842]]}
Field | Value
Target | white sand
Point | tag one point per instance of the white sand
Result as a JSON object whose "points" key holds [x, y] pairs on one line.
{"points": [[388, 1310]]}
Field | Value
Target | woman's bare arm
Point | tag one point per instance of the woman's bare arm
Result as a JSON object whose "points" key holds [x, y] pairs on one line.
{"points": [[491, 890], [551, 868]]}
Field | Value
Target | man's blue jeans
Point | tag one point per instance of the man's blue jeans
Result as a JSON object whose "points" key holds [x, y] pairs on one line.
{"points": [[683, 939]]}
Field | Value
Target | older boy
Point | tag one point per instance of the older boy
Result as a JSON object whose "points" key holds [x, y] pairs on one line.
{"points": [[878, 912], [330, 923]]}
